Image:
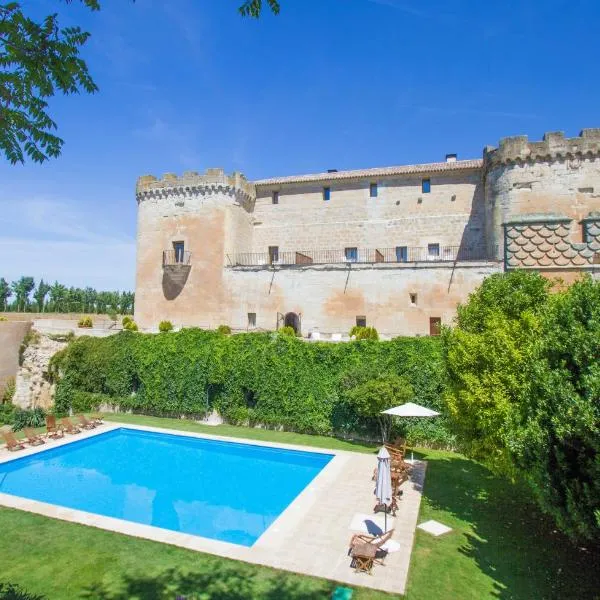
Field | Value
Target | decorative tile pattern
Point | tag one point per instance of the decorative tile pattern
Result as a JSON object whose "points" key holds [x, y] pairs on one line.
{"points": [[544, 242]]}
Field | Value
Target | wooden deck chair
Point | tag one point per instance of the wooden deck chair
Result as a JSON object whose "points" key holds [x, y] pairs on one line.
{"points": [[32, 438], [97, 418], [68, 426], [52, 429], [85, 423], [12, 443], [375, 541]]}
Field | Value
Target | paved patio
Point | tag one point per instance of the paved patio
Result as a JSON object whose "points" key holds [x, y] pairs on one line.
{"points": [[311, 536]]}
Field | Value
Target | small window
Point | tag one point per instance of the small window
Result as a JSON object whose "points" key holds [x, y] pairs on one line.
{"points": [[426, 186], [326, 193], [413, 299], [351, 254], [361, 321], [178, 251], [251, 319], [373, 190], [433, 250], [273, 254], [275, 198], [435, 325], [401, 254]]}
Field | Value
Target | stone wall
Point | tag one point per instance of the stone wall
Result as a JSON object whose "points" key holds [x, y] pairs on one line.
{"points": [[452, 214], [32, 386], [329, 298], [11, 336]]}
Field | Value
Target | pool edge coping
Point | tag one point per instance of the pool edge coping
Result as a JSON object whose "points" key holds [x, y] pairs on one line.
{"points": [[263, 549]]}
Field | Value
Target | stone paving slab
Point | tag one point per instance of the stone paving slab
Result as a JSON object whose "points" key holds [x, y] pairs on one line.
{"points": [[309, 537]]}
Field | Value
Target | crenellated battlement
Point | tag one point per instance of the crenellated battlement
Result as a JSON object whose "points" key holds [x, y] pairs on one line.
{"points": [[192, 182], [518, 149]]}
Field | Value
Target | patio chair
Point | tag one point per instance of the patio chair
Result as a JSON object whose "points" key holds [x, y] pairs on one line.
{"points": [[52, 429], [85, 423], [68, 426], [12, 443], [32, 438], [364, 550], [97, 418]]}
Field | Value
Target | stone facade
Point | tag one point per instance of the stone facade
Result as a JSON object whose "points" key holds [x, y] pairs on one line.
{"points": [[397, 247]]}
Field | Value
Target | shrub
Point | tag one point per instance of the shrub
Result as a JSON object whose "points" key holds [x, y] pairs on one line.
{"points": [[287, 330], [165, 326], [224, 329], [10, 591], [130, 325], [126, 319], [2, 318], [9, 391], [364, 333], [28, 418], [524, 389], [62, 337], [85, 322], [7, 412]]}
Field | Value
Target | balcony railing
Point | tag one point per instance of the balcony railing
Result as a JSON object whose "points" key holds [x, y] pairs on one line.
{"points": [[176, 257], [402, 254]]}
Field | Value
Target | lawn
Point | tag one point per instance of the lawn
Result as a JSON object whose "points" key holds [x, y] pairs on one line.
{"points": [[500, 546]]}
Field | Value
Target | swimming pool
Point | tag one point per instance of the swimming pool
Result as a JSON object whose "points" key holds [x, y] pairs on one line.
{"points": [[222, 490]]}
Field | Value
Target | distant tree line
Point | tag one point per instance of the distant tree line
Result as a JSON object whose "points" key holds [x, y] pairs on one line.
{"points": [[23, 296]]}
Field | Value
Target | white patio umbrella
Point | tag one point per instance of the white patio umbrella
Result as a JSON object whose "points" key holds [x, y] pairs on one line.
{"points": [[410, 409], [383, 485]]}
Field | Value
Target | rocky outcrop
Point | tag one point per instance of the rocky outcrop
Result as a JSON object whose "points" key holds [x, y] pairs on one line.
{"points": [[32, 386]]}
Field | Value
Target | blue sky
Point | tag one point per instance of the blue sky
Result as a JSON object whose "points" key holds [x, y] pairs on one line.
{"points": [[189, 84]]}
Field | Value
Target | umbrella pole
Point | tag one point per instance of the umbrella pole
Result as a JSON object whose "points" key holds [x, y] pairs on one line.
{"points": [[384, 518]]}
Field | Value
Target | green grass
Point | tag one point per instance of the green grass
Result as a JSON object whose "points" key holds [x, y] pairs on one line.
{"points": [[500, 546]]}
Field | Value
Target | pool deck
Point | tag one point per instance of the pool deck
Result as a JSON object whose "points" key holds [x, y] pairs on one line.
{"points": [[310, 536]]}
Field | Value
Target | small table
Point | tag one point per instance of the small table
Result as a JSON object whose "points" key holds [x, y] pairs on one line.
{"points": [[363, 556]]}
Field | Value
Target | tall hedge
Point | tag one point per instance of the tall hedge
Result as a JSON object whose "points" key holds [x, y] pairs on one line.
{"points": [[256, 378]]}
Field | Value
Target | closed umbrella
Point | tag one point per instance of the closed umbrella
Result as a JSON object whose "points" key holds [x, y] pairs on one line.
{"points": [[383, 486], [410, 409]]}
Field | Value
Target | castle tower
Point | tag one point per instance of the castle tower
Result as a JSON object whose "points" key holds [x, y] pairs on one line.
{"points": [[543, 202], [187, 226]]}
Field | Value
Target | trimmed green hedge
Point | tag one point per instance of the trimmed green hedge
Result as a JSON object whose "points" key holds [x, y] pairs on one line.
{"points": [[256, 378]]}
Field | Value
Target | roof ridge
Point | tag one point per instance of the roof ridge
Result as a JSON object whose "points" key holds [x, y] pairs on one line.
{"points": [[376, 171]]}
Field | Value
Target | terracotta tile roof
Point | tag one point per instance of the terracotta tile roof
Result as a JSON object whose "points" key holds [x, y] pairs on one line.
{"points": [[437, 167]]}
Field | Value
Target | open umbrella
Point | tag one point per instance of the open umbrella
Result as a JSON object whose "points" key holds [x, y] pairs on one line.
{"points": [[383, 485], [410, 409]]}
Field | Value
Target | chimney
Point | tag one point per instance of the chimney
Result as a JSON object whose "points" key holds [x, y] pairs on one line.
{"points": [[450, 157]]}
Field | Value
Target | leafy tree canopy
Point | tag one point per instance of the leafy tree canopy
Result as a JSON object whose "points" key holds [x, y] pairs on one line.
{"points": [[524, 390], [38, 59]]}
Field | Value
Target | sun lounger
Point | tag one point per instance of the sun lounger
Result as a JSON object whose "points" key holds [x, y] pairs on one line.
{"points": [[69, 427], [85, 423], [32, 438], [11, 441], [52, 429]]}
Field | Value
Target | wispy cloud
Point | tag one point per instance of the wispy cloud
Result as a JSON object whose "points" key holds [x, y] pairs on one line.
{"points": [[184, 19], [410, 9], [58, 239], [179, 139], [450, 110]]}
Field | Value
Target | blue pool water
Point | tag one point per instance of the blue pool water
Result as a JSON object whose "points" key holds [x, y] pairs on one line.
{"points": [[221, 490]]}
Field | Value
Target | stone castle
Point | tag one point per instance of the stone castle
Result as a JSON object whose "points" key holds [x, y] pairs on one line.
{"points": [[397, 248]]}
